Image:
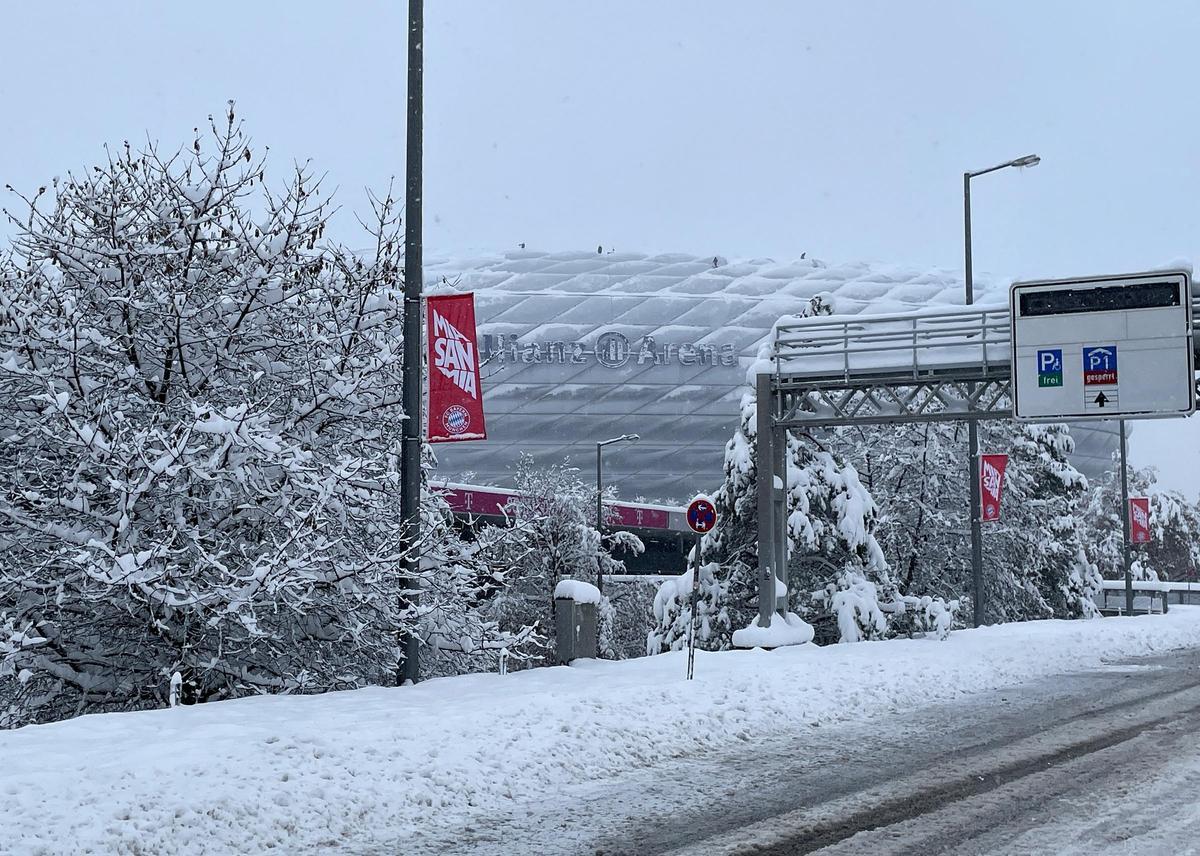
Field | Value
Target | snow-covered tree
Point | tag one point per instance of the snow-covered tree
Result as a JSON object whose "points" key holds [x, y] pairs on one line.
{"points": [[463, 582], [1033, 564], [555, 512], [836, 569], [1174, 549], [1102, 522], [917, 477], [1039, 567], [198, 461]]}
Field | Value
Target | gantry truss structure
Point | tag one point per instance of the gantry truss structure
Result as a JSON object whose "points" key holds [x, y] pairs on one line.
{"points": [[923, 366]]}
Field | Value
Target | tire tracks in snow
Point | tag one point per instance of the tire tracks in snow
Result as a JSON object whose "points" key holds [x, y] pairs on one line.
{"points": [[961, 776]]}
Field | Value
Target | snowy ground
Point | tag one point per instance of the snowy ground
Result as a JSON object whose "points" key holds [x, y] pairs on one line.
{"points": [[421, 769]]}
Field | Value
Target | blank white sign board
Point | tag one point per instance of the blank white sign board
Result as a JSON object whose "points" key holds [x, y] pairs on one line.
{"points": [[1105, 347]]}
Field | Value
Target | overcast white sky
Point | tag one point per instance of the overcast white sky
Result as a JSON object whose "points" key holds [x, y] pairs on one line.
{"points": [[753, 128]]}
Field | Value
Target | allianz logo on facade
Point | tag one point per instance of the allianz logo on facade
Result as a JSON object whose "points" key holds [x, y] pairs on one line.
{"points": [[612, 350]]}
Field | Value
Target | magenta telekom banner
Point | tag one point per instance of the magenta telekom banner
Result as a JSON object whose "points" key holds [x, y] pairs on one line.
{"points": [[455, 397], [1139, 519], [468, 500], [636, 515], [464, 500], [991, 484]]}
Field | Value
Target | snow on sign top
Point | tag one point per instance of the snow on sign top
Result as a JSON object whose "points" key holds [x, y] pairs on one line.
{"points": [[702, 515], [1103, 347], [841, 345]]}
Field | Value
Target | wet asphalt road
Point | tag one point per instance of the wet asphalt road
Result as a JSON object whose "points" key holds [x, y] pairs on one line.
{"points": [[1095, 762]]}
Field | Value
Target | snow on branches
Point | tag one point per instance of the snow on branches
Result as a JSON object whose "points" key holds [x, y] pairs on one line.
{"points": [[199, 457], [836, 568]]}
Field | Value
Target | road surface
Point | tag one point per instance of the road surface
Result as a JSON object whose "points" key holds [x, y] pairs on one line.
{"points": [[1097, 762]]}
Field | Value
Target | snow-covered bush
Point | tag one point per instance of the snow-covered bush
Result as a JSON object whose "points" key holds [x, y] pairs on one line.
{"points": [[854, 602], [672, 609], [920, 616]]}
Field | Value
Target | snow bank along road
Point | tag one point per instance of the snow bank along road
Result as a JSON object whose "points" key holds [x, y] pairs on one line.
{"points": [[784, 752]]}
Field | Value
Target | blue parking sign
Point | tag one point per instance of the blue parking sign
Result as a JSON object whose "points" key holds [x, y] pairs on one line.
{"points": [[1050, 367], [1050, 360], [1100, 365]]}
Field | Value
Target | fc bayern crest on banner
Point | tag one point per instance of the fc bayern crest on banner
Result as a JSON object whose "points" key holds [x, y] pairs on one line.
{"points": [[455, 400]]}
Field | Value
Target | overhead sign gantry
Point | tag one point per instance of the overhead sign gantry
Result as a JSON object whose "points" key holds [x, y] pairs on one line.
{"points": [[1108, 347]]}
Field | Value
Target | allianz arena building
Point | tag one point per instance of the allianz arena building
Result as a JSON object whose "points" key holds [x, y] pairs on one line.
{"points": [[581, 347]]}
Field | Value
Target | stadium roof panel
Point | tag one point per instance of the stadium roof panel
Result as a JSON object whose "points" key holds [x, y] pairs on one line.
{"points": [[582, 346]]}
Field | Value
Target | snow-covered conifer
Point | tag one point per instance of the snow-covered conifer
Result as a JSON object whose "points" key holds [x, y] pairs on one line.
{"points": [[832, 551]]}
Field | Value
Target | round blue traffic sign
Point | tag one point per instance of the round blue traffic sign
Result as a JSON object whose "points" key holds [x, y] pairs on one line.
{"points": [[701, 516]]}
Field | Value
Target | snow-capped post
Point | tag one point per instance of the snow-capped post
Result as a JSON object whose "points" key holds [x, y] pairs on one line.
{"points": [[576, 612], [408, 668], [701, 519], [176, 688]]}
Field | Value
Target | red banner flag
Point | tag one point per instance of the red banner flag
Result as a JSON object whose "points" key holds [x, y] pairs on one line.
{"points": [[1139, 519], [455, 398], [991, 484]]}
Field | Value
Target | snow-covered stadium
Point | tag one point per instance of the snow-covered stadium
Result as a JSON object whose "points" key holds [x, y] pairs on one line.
{"points": [[584, 346]]}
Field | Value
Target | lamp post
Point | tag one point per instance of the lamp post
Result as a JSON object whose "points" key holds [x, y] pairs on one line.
{"points": [[408, 668], [972, 425], [624, 438]]}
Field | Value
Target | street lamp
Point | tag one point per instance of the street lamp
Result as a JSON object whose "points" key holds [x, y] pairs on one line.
{"points": [[972, 426], [624, 438]]}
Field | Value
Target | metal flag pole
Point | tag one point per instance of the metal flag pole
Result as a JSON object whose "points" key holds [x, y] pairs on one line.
{"points": [[1125, 520]]}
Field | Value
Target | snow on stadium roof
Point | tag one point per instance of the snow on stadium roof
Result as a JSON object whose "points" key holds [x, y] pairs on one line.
{"points": [[582, 346]]}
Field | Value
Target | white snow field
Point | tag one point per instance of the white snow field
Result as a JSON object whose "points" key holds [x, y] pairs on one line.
{"points": [[339, 771]]}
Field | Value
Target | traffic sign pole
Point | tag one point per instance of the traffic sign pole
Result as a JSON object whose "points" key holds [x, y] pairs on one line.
{"points": [[701, 518], [1125, 519], [691, 667]]}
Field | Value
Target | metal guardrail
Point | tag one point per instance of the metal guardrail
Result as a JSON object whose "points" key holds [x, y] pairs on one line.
{"points": [[1145, 600], [913, 343], [910, 342]]}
